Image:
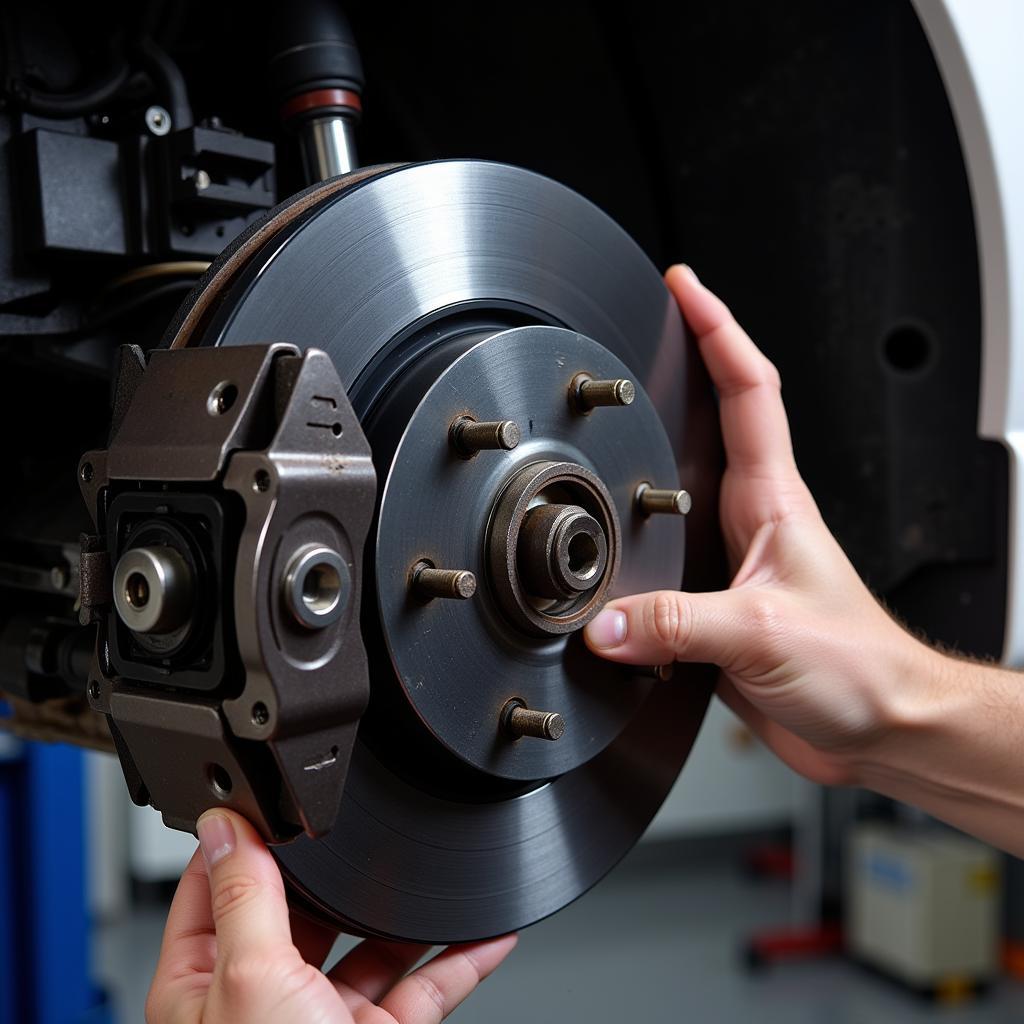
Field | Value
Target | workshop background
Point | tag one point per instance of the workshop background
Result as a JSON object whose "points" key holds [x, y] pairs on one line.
{"points": [[803, 157]]}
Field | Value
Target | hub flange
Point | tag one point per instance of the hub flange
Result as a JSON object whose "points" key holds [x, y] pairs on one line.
{"points": [[520, 521]]}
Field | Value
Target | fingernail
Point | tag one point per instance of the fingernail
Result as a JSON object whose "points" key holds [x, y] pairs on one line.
{"points": [[216, 837], [608, 629], [689, 271]]}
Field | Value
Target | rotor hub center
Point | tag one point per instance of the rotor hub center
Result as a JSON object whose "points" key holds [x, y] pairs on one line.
{"points": [[562, 551], [554, 546]]}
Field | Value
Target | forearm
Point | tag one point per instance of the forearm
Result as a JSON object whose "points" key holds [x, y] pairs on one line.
{"points": [[953, 745]]}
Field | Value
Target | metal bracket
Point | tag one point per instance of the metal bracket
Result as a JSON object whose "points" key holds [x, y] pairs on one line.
{"points": [[267, 726]]}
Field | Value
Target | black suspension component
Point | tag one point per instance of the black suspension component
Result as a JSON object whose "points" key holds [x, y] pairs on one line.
{"points": [[317, 74]]}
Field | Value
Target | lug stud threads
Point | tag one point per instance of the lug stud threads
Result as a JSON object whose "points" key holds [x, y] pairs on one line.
{"points": [[468, 436], [428, 582], [518, 720], [586, 394], [652, 501]]}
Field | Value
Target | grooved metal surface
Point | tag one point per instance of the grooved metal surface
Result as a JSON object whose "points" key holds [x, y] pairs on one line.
{"points": [[358, 275]]}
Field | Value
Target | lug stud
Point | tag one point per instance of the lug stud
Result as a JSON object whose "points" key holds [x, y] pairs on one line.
{"points": [[468, 436], [652, 501], [586, 394], [518, 720], [427, 582]]}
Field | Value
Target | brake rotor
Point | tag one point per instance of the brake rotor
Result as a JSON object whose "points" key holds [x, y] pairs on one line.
{"points": [[471, 291]]}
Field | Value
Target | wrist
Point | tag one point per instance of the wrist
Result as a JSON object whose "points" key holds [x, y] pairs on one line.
{"points": [[917, 692], [922, 696], [952, 747]]}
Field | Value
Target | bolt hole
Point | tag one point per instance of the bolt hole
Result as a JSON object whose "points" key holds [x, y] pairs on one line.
{"points": [[136, 590], [336, 429], [321, 589], [261, 481], [583, 555], [220, 231], [908, 349], [220, 781], [94, 690], [222, 398], [85, 472], [260, 714]]}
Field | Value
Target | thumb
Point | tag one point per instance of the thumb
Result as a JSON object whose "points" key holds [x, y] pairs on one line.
{"points": [[250, 912], [667, 626]]}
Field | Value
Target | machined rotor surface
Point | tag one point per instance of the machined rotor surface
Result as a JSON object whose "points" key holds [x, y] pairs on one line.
{"points": [[386, 273]]}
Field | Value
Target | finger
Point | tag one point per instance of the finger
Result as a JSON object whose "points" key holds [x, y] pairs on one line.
{"points": [[666, 626], [189, 943], [429, 994], [188, 951], [250, 912], [755, 428], [373, 967]]}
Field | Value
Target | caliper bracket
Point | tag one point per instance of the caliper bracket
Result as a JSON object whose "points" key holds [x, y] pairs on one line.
{"points": [[233, 504]]}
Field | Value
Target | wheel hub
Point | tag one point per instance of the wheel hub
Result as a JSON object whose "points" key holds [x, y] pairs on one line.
{"points": [[554, 546], [520, 520]]}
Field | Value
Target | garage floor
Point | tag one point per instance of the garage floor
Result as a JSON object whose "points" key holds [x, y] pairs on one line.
{"points": [[657, 941]]}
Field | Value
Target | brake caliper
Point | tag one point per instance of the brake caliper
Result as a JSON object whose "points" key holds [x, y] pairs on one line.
{"points": [[231, 508]]}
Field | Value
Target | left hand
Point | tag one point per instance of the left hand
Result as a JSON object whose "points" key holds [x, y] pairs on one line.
{"points": [[810, 660], [232, 952]]}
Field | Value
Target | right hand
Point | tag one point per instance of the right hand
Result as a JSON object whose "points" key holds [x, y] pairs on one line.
{"points": [[808, 657]]}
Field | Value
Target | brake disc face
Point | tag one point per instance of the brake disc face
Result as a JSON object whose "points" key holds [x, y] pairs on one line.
{"points": [[468, 292]]}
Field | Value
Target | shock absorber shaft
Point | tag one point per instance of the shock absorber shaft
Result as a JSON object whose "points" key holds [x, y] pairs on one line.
{"points": [[328, 147], [317, 73]]}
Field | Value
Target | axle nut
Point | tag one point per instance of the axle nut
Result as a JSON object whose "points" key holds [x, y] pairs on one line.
{"points": [[562, 551]]}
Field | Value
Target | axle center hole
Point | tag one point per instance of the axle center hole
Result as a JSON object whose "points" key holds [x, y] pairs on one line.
{"points": [[136, 590], [583, 555], [321, 589]]}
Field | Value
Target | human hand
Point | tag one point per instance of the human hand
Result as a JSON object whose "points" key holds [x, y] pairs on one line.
{"points": [[233, 953], [809, 658]]}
